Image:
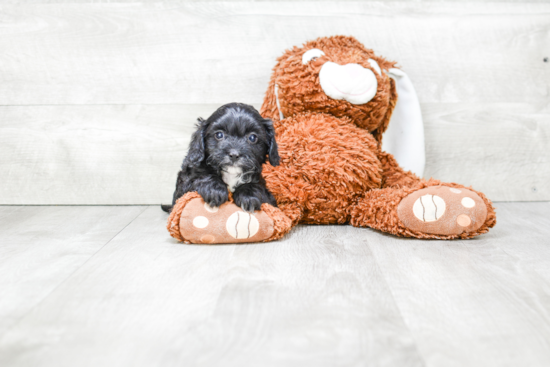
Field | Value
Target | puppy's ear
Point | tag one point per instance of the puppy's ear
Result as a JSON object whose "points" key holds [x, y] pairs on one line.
{"points": [[272, 150], [196, 154]]}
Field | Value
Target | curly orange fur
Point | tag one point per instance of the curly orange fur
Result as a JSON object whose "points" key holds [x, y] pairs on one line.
{"points": [[332, 167]]}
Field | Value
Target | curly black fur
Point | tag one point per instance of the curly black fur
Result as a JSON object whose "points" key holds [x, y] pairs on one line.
{"points": [[209, 156]]}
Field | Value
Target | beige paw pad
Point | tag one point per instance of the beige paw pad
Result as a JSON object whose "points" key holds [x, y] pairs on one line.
{"points": [[463, 220], [429, 208], [242, 225], [200, 223], [468, 202], [211, 209], [442, 210]]}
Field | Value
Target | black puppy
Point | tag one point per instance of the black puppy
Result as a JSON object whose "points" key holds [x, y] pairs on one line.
{"points": [[226, 153]]}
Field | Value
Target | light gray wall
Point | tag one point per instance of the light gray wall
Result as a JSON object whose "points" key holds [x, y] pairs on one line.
{"points": [[98, 98]]}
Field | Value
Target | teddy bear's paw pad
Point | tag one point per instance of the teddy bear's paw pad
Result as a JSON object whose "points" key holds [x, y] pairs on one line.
{"points": [[200, 223], [442, 210]]}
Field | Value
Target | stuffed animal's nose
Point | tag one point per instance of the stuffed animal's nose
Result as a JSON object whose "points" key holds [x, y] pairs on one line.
{"points": [[353, 70], [234, 154], [350, 82]]}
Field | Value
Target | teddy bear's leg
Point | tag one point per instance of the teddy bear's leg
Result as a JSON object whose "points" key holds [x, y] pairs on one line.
{"points": [[289, 190], [194, 221], [393, 175], [293, 211], [431, 209]]}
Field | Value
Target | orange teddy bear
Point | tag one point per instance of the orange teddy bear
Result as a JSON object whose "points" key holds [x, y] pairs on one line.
{"points": [[331, 102]]}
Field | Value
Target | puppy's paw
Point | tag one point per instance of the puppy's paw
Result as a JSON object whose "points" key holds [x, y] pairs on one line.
{"points": [[247, 203], [214, 196]]}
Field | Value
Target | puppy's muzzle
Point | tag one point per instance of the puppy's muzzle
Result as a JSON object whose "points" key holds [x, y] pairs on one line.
{"points": [[234, 155]]}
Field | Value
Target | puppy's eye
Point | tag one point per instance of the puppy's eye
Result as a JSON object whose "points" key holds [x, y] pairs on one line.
{"points": [[219, 135], [252, 138], [311, 55]]}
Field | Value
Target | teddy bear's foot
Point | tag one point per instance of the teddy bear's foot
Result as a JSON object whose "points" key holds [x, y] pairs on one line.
{"points": [[194, 221], [443, 210], [431, 210]]}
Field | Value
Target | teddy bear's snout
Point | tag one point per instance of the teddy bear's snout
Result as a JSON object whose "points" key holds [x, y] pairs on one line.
{"points": [[350, 82]]}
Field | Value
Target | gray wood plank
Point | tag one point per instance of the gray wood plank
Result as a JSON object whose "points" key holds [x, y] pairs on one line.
{"points": [[208, 52], [482, 302], [316, 298], [173, 2], [93, 154], [526, 228], [40, 247], [130, 154], [500, 149]]}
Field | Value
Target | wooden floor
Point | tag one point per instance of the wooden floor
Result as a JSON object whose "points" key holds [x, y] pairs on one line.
{"points": [[107, 286]]}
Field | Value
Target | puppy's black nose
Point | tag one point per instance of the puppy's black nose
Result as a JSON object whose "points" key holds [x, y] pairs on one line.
{"points": [[234, 154]]}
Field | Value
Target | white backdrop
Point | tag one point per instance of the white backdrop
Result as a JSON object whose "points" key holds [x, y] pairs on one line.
{"points": [[98, 99]]}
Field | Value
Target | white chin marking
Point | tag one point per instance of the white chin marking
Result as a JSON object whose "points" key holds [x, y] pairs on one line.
{"points": [[350, 82], [232, 177]]}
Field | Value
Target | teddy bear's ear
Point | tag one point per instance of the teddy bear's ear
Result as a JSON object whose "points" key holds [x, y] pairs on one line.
{"points": [[404, 138]]}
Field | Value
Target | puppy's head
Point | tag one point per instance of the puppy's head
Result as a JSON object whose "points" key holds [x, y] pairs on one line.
{"points": [[236, 135]]}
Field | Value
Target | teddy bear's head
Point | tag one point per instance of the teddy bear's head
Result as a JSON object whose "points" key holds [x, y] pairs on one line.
{"points": [[335, 75]]}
